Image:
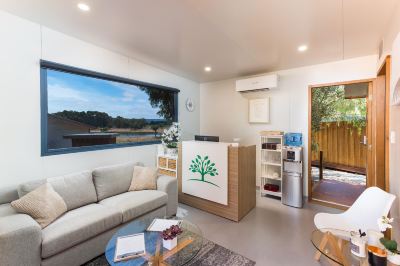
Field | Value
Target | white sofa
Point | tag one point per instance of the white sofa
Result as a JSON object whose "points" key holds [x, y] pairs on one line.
{"points": [[98, 204]]}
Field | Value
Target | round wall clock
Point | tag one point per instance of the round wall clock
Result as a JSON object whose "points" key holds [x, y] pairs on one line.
{"points": [[189, 105]]}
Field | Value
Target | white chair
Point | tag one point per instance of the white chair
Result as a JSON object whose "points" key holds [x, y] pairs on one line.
{"points": [[372, 204]]}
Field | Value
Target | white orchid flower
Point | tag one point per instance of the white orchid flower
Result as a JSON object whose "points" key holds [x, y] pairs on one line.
{"points": [[384, 223], [172, 134]]}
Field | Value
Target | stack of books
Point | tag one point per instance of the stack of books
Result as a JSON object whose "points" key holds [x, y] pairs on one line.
{"points": [[129, 247]]}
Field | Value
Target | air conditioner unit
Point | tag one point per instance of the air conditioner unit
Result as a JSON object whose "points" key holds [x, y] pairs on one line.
{"points": [[266, 82]]}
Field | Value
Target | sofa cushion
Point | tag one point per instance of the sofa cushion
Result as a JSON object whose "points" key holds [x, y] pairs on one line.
{"points": [[76, 189], [43, 204], [30, 186], [136, 203], [76, 226], [6, 210], [112, 180], [8, 194], [144, 178]]}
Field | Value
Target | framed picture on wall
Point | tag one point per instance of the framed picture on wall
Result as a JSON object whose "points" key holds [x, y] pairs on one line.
{"points": [[259, 110]]}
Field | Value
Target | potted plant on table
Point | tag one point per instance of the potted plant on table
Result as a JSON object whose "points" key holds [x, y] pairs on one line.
{"points": [[390, 245], [170, 138], [170, 236]]}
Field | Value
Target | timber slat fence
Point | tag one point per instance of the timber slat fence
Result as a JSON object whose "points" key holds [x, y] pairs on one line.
{"points": [[341, 145]]}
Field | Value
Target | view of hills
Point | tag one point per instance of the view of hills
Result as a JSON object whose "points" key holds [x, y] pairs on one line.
{"points": [[103, 120]]}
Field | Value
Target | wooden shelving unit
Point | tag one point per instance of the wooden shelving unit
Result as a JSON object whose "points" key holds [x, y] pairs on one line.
{"points": [[167, 164], [271, 164]]}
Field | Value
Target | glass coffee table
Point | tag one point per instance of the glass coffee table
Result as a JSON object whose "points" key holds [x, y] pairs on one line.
{"points": [[190, 243], [335, 245]]}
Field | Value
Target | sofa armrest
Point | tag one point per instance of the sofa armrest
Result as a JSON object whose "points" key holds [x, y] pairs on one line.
{"points": [[20, 241], [169, 185]]}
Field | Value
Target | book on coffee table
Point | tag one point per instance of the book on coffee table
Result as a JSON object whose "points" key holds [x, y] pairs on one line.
{"points": [[129, 247], [159, 225]]}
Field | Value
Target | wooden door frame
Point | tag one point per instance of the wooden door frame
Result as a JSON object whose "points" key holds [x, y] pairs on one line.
{"points": [[385, 70], [371, 123], [310, 88]]}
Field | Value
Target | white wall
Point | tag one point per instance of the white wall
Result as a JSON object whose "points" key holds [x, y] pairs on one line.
{"points": [[394, 167], [391, 40], [224, 112], [394, 149], [22, 45], [392, 29]]}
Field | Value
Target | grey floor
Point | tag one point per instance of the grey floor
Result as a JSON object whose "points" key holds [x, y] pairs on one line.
{"points": [[271, 234]]}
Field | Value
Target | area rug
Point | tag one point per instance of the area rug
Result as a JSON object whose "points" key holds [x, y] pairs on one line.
{"points": [[210, 255]]}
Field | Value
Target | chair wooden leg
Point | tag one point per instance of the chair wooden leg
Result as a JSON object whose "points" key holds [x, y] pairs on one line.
{"points": [[322, 245]]}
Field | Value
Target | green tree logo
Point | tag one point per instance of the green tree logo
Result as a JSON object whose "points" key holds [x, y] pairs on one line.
{"points": [[204, 167]]}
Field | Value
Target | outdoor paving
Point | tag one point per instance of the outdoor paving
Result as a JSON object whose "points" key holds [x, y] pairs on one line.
{"points": [[337, 186], [350, 178]]}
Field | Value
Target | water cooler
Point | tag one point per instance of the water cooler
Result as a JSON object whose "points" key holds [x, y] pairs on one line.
{"points": [[292, 179]]}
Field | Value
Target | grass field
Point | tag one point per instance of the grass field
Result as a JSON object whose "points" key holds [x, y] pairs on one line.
{"points": [[137, 139]]}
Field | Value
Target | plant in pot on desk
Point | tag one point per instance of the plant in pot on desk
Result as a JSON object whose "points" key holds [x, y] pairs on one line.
{"points": [[390, 245], [170, 236], [170, 139]]}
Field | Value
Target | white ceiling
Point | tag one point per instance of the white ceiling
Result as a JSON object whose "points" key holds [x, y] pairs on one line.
{"points": [[235, 37]]}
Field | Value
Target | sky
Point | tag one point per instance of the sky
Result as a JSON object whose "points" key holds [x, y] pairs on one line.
{"points": [[80, 93]]}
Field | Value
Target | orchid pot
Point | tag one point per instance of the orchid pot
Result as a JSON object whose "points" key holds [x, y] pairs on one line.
{"points": [[393, 255], [170, 244], [171, 151], [170, 237]]}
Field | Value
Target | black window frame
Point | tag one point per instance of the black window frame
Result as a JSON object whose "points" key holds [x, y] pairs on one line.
{"points": [[47, 65]]}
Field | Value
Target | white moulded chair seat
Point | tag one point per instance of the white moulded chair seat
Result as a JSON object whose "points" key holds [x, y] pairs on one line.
{"points": [[372, 204]]}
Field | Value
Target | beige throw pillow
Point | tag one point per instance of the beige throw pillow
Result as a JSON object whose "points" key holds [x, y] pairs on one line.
{"points": [[43, 204], [144, 178]]}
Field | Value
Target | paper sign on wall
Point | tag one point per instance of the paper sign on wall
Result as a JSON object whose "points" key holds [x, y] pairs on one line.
{"points": [[205, 170], [259, 110]]}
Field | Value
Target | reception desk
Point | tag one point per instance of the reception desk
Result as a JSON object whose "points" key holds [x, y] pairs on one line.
{"points": [[217, 177]]}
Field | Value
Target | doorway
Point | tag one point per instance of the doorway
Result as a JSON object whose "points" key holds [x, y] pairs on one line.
{"points": [[339, 148]]}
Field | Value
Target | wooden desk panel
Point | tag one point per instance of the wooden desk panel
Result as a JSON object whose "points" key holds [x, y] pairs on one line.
{"points": [[247, 180]]}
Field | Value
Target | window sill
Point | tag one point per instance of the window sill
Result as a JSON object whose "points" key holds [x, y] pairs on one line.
{"points": [[61, 151]]}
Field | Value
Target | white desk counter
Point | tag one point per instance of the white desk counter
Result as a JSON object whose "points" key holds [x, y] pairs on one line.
{"points": [[212, 175]]}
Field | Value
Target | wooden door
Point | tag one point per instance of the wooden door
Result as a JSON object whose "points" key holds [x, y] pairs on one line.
{"points": [[376, 133]]}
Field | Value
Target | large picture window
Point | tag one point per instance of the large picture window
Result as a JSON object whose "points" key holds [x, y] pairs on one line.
{"points": [[84, 110]]}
